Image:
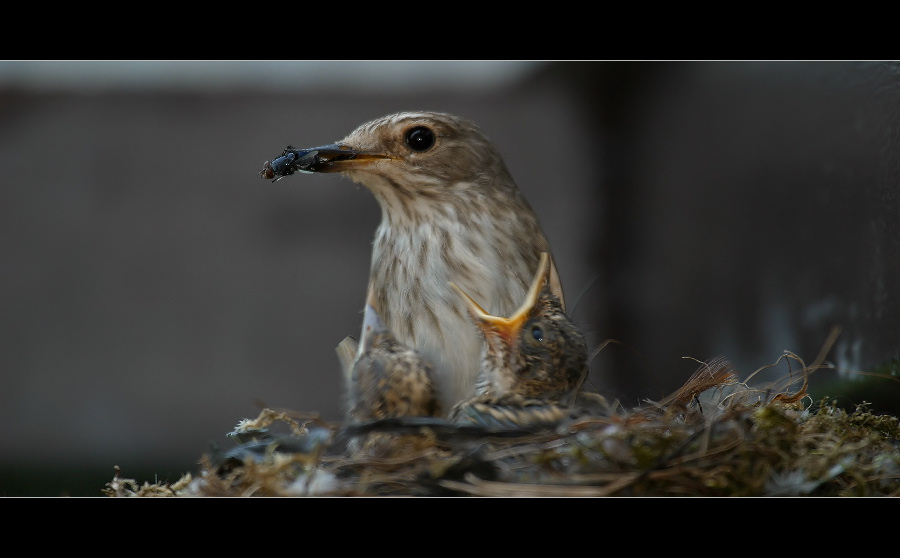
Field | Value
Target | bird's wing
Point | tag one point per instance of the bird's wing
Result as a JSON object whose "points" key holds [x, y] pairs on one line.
{"points": [[511, 412]]}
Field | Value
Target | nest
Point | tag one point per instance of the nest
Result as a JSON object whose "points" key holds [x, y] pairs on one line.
{"points": [[716, 436]]}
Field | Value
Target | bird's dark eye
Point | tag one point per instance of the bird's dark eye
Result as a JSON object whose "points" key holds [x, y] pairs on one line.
{"points": [[420, 138], [537, 333]]}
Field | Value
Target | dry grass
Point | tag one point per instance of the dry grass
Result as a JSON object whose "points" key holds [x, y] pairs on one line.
{"points": [[716, 436]]}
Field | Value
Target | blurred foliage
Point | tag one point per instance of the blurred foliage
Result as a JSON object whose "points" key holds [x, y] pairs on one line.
{"points": [[878, 389]]}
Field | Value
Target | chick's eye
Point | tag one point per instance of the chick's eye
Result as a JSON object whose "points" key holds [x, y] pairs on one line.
{"points": [[537, 333], [420, 138]]}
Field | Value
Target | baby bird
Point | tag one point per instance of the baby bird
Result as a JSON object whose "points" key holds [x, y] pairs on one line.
{"points": [[386, 380], [532, 362]]}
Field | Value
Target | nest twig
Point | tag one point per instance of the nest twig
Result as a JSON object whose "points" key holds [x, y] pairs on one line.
{"points": [[715, 436]]}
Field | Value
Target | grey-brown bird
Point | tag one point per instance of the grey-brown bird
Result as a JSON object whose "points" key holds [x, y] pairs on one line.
{"points": [[385, 378], [533, 362], [450, 211]]}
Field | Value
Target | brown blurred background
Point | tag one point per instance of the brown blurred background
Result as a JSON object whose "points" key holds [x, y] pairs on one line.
{"points": [[154, 290]]}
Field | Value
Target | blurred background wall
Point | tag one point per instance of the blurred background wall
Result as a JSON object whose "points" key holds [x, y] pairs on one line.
{"points": [[154, 290]]}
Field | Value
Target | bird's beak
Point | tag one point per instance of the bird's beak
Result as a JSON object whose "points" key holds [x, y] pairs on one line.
{"points": [[372, 321], [509, 327], [334, 157], [337, 157], [372, 325]]}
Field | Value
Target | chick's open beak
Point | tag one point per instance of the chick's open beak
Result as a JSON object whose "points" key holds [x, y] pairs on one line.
{"points": [[509, 327]]}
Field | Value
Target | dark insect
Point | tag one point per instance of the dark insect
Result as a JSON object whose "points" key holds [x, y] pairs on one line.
{"points": [[291, 161]]}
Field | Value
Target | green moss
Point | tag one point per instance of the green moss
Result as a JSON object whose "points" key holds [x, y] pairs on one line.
{"points": [[726, 448]]}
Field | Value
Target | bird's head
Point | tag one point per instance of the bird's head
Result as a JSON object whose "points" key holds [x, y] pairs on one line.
{"points": [[408, 154], [537, 352]]}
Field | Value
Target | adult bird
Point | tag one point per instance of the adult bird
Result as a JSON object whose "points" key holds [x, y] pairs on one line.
{"points": [[450, 211]]}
